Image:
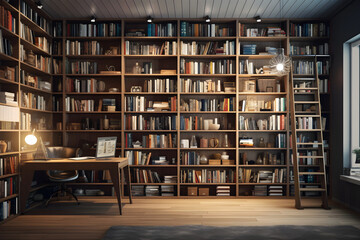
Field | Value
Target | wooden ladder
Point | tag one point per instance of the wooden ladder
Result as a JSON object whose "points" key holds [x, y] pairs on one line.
{"points": [[300, 96]]}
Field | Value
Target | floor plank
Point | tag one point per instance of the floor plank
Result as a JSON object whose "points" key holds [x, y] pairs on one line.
{"points": [[91, 219]]}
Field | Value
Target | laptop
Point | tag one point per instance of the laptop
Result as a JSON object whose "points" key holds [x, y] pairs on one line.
{"points": [[105, 148]]}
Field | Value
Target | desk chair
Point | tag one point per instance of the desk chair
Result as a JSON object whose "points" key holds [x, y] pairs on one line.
{"points": [[59, 176]]}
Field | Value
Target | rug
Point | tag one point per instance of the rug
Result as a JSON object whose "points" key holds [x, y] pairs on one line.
{"points": [[236, 232]]}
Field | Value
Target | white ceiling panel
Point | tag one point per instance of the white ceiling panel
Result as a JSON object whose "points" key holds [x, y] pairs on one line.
{"points": [[59, 9]]}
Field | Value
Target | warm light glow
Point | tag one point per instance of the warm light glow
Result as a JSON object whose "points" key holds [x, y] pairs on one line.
{"points": [[280, 67], [31, 139]]}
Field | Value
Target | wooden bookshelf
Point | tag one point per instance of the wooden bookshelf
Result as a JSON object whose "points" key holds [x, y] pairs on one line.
{"points": [[126, 78]]}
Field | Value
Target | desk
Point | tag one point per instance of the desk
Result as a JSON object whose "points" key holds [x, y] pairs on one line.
{"points": [[114, 165]]}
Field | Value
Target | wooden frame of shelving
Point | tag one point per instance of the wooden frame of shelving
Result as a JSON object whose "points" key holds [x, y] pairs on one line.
{"points": [[63, 135]]}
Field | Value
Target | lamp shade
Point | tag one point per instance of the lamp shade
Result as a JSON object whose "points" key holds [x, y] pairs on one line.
{"points": [[31, 139]]}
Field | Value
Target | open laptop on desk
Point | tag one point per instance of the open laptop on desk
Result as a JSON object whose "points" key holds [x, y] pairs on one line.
{"points": [[105, 149]]}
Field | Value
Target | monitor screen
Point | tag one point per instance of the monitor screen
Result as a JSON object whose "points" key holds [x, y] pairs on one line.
{"points": [[106, 147]]}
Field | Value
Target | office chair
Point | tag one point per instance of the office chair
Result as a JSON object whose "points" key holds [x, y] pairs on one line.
{"points": [[60, 176]]}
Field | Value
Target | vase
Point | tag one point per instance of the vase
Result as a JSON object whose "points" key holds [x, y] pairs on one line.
{"points": [[3, 146], [203, 160]]}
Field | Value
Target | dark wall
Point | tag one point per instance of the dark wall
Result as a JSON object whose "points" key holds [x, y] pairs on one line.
{"points": [[343, 26]]}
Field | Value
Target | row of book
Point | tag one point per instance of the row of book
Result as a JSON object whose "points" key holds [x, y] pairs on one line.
{"points": [[25, 123], [202, 86], [151, 141], [250, 175], [57, 46], [140, 122], [274, 122], [38, 61], [309, 29], [303, 67], [207, 48], [8, 165], [31, 13], [222, 190], [56, 106], [190, 158], [323, 67], [159, 85], [31, 100], [198, 123], [8, 208], [271, 31], [207, 176], [161, 30], [324, 86], [225, 66], [264, 158], [249, 49], [83, 48], [137, 48], [321, 49], [8, 187], [306, 123], [188, 29], [226, 104], [81, 85], [7, 20], [81, 67], [57, 29], [153, 190], [5, 45], [303, 157], [146, 158], [93, 29], [141, 104], [272, 190], [254, 105], [145, 176], [35, 81], [280, 140], [84, 105], [29, 35]]}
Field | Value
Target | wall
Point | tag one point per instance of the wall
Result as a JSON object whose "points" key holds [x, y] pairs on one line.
{"points": [[343, 26]]}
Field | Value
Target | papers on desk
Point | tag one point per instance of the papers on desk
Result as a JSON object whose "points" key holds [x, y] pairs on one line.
{"points": [[81, 158]]}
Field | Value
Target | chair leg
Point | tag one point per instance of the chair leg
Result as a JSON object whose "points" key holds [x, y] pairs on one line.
{"points": [[77, 201], [52, 195]]}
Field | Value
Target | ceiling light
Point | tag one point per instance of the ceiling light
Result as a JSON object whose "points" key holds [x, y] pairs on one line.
{"points": [[258, 19], [93, 19], [39, 5], [149, 19], [207, 19]]}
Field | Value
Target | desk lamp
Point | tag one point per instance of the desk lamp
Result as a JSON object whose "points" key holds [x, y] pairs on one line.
{"points": [[41, 153]]}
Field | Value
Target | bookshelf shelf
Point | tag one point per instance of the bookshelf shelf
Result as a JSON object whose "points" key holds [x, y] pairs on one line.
{"points": [[35, 110], [8, 154], [256, 56], [210, 56], [150, 38], [209, 112], [9, 105], [154, 184], [150, 131], [34, 48], [150, 56], [93, 38], [207, 93], [207, 149], [8, 197], [153, 166], [263, 93], [208, 75], [219, 184], [262, 39], [8, 175], [7, 57], [9, 34], [33, 69], [93, 75], [93, 56], [275, 184], [207, 166], [34, 89], [92, 93], [150, 93]]}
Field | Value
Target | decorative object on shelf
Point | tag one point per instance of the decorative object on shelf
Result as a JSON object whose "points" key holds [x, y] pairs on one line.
{"points": [[213, 142], [184, 143], [101, 86], [204, 143], [278, 86], [136, 69], [225, 143], [193, 143], [136, 89], [114, 90], [110, 70], [261, 142], [248, 85], [3, 146], [167, 71], [246, 142], [137, 144], [280, 63], [106, 123], [112, 51], [207, 122], [266, 84], [224, 156], [214, 126], [203, 160], [30, 58], [259, 160]]}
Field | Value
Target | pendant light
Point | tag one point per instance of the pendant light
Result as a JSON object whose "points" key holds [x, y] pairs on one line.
{"points": [[281, 63]]}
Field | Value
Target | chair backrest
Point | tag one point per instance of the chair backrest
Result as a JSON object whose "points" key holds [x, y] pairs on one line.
{"points": [[62, 152]]}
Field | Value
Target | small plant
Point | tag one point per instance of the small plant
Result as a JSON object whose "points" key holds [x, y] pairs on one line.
{"points": [[356, 151]]}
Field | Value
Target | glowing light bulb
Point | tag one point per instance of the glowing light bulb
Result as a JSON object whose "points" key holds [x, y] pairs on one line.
{"points": [[280, 67], [31, 139]]}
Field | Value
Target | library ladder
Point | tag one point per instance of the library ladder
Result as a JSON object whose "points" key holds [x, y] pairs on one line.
{"points": [[306, 124]]}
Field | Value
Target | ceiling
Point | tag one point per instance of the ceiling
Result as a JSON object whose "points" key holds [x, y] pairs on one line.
{"points": [[60, 9]]}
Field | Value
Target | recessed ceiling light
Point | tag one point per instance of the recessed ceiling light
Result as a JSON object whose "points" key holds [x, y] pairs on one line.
{"points": [[39, 5], [258, 19], [207, 19], [149, 19], [93, 19]]}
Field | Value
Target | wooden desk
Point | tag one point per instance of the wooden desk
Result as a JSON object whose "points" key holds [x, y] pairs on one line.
{"points": [[114, 165]]}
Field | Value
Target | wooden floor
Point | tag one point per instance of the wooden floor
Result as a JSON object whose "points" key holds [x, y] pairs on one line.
{"points": [[91, 219]]}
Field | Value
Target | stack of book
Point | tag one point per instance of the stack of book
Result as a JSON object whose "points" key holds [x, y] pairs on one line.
{"points": [[167, 191], [152, 191], [275, 191], [8, 98], [249, 49], [170, 179], [260, 190], [161, 160], [222, 190], [137, 190]]}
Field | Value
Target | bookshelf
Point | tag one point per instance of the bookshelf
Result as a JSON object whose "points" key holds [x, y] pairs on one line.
{"points": [[199, 69]]}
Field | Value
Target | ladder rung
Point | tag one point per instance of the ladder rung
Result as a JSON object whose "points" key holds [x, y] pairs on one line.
{"points": [[306, 102], [312, 189], [309, 130], [311, 173]]}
